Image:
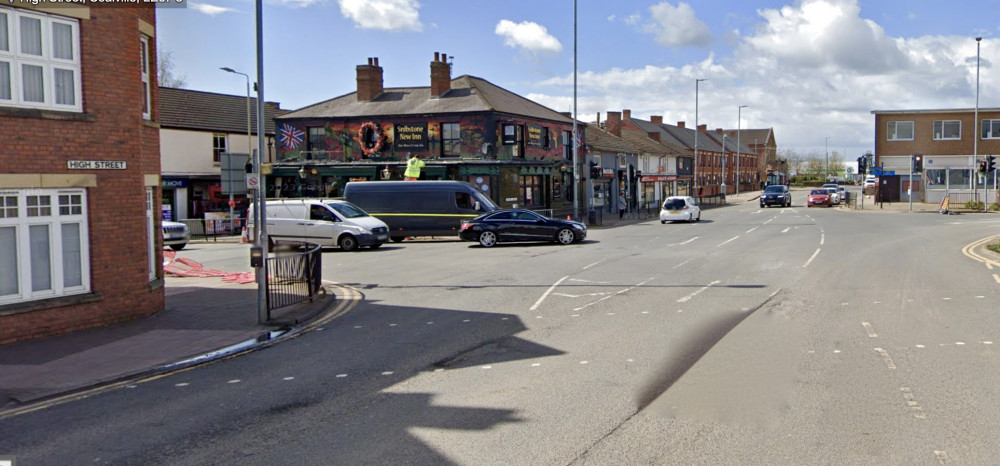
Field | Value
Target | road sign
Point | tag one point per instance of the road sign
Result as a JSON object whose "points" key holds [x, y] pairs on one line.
{"points": [[253, 181]]}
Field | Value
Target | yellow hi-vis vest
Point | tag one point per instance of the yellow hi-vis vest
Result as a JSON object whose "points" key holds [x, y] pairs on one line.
{"points": [[413, 167]]}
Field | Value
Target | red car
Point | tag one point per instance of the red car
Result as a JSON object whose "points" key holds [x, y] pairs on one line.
{"points": [[819, 197]]}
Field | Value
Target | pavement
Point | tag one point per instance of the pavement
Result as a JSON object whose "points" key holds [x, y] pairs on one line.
{"points": [[205, 319]]}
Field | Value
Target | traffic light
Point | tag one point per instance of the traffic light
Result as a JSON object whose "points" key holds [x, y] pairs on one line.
{"points": [[982, 167], [918, 163], [595, 171], [861, 165], [991, 163]]}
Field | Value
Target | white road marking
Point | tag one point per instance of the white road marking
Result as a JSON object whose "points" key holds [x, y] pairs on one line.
{"points": [[941, 455], [587, 281], [340, 376], [567, 295], [752, 229], [946, 299], [546, 294], [728, 240], [584, 362], [960, 343], [921, 346], [822, 238], [682, 263], [690, 240], [911, 402], [769, 220], [987, 342], [696, 293], [536, 364], [288, 378], [996, 278], [387, 373], [869, 329], [811, 258], [885, 357], [487, 367], [182, 384], [595, 263], [234, 381]]}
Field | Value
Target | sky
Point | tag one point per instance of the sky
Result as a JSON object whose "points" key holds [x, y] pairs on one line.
{"points": [[813, 70]]}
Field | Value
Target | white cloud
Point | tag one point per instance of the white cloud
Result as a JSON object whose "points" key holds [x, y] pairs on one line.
{"points": [[210, 10], [810, 71], [385, 15], [528, 36], [677, 26]]}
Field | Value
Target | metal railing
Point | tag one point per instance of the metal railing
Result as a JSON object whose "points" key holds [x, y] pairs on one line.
{"points": [[207, 228], [293, 276]]}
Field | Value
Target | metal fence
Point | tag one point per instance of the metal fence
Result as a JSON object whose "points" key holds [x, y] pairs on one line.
{"points": [[213, 229], [293, 276]]}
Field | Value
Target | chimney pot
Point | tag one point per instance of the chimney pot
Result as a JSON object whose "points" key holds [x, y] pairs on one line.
{"points": [[375, 62], [437, 56]]}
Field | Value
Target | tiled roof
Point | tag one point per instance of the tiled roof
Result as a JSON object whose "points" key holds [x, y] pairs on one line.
{"points": [[747, 136], [600, 139], [647, 144], [683, 137], [467, 94], [187, 109]]}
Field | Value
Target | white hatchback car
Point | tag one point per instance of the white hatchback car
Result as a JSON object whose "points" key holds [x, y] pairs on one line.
{"points": [[680, 209]]}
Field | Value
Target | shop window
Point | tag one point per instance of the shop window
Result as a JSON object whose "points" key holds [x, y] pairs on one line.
{"points": [[532, 191]]}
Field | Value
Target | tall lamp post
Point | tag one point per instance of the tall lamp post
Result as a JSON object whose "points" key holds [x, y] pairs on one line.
{"points": [[739, 121], [826, 166], [694, 175], [724, 158], [975, 136], [576, 153], [249, 142]]}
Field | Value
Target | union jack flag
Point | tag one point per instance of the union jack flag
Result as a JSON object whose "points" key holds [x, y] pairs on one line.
{"points": [[291, 136]]}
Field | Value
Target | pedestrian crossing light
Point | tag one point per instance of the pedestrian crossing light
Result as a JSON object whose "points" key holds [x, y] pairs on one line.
{"points": [[991, 163], [982, 167]]}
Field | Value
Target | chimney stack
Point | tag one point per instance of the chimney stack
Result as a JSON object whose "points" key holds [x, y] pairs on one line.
{"points": [[626, 114], [656, 119], [703, 128], [718, 131], [614, 124], [680, 124], [369, 80], [440, 75]]}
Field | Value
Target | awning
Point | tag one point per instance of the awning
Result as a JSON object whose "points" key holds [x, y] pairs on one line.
{"points": [[534, 170]]}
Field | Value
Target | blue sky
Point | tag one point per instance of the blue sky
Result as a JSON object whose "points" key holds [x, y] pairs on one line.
{"points": [[811, 69]]}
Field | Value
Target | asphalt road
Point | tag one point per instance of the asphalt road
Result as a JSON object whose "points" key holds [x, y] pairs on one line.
{"points": [[756, 336]]}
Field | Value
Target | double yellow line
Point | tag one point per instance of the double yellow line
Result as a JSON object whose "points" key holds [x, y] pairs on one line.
{"points": [[970, 251]]}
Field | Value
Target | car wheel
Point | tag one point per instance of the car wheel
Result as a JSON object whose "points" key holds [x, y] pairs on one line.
{"points": [[487, 239], [699, 217], [565, 236], [397, 239], [348, 243], [663, 222], [177, 247]]}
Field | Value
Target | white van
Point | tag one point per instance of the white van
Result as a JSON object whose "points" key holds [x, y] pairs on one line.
{"points": [[327, 222]]}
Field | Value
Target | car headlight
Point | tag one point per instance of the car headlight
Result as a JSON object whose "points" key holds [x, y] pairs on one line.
{"points": [[580, 226]]}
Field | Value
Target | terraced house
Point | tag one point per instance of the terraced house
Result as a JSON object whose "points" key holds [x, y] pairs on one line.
{"points": [[79, 187]]}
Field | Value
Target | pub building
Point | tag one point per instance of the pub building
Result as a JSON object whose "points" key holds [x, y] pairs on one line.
{"points": [[515, 151]]}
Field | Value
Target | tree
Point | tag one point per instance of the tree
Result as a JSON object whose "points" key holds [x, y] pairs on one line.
{"points": [[165, 70]]}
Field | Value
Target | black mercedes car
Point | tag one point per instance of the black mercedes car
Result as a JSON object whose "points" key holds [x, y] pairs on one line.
{"points": [[520, 225], [776, 194]]}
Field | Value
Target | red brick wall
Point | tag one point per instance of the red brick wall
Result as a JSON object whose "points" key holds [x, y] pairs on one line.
{"points": [[111, 127], [923, 134]]}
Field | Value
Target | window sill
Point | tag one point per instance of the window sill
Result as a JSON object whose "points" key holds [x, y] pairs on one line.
{"points": [[49, 303], [46, 114]]}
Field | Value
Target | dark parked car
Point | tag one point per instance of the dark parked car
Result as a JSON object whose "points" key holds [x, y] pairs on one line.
{"points": [[776, 194], [520, 225]]}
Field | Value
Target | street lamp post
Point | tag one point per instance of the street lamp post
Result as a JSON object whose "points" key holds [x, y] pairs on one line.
{"points": [[694, 172], [576, 154], [975, 136], [826, 166], [249, 144], [739, 121], [724, 157]]}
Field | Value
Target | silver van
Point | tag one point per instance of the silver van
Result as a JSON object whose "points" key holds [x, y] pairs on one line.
{"points": [[327, 222]]}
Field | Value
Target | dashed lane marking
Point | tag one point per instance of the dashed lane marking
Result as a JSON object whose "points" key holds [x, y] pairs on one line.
{"points": [[811, 258], [682, 263], [690, 240], [728, 240], [869, 329], [786, 230], [752, 229], [885, 357], [911, 402], [696, 293]]}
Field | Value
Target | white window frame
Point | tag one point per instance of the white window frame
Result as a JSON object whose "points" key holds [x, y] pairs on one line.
{"points": [[47, 61], [892, 129], [144, 76], [59, 214], [941, 124], [992, 124], [218, 151]]}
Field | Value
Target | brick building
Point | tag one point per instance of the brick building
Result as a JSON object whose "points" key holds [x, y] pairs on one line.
{"points": [[951, 151], [514, 150], [79, 244]]}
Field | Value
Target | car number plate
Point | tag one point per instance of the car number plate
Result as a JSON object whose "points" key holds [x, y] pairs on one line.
{"points": [[673, 212], [384, 237]]}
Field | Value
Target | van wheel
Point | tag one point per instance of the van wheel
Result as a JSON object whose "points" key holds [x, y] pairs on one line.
{"points": [[487, 239], [348, 243], [565, 236], [397, 239]]}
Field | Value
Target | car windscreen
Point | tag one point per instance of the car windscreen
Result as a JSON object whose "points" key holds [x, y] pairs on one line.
{"points": [[774, 189], [485, 202], [347, 210], [822, 192], [673, 204]]}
